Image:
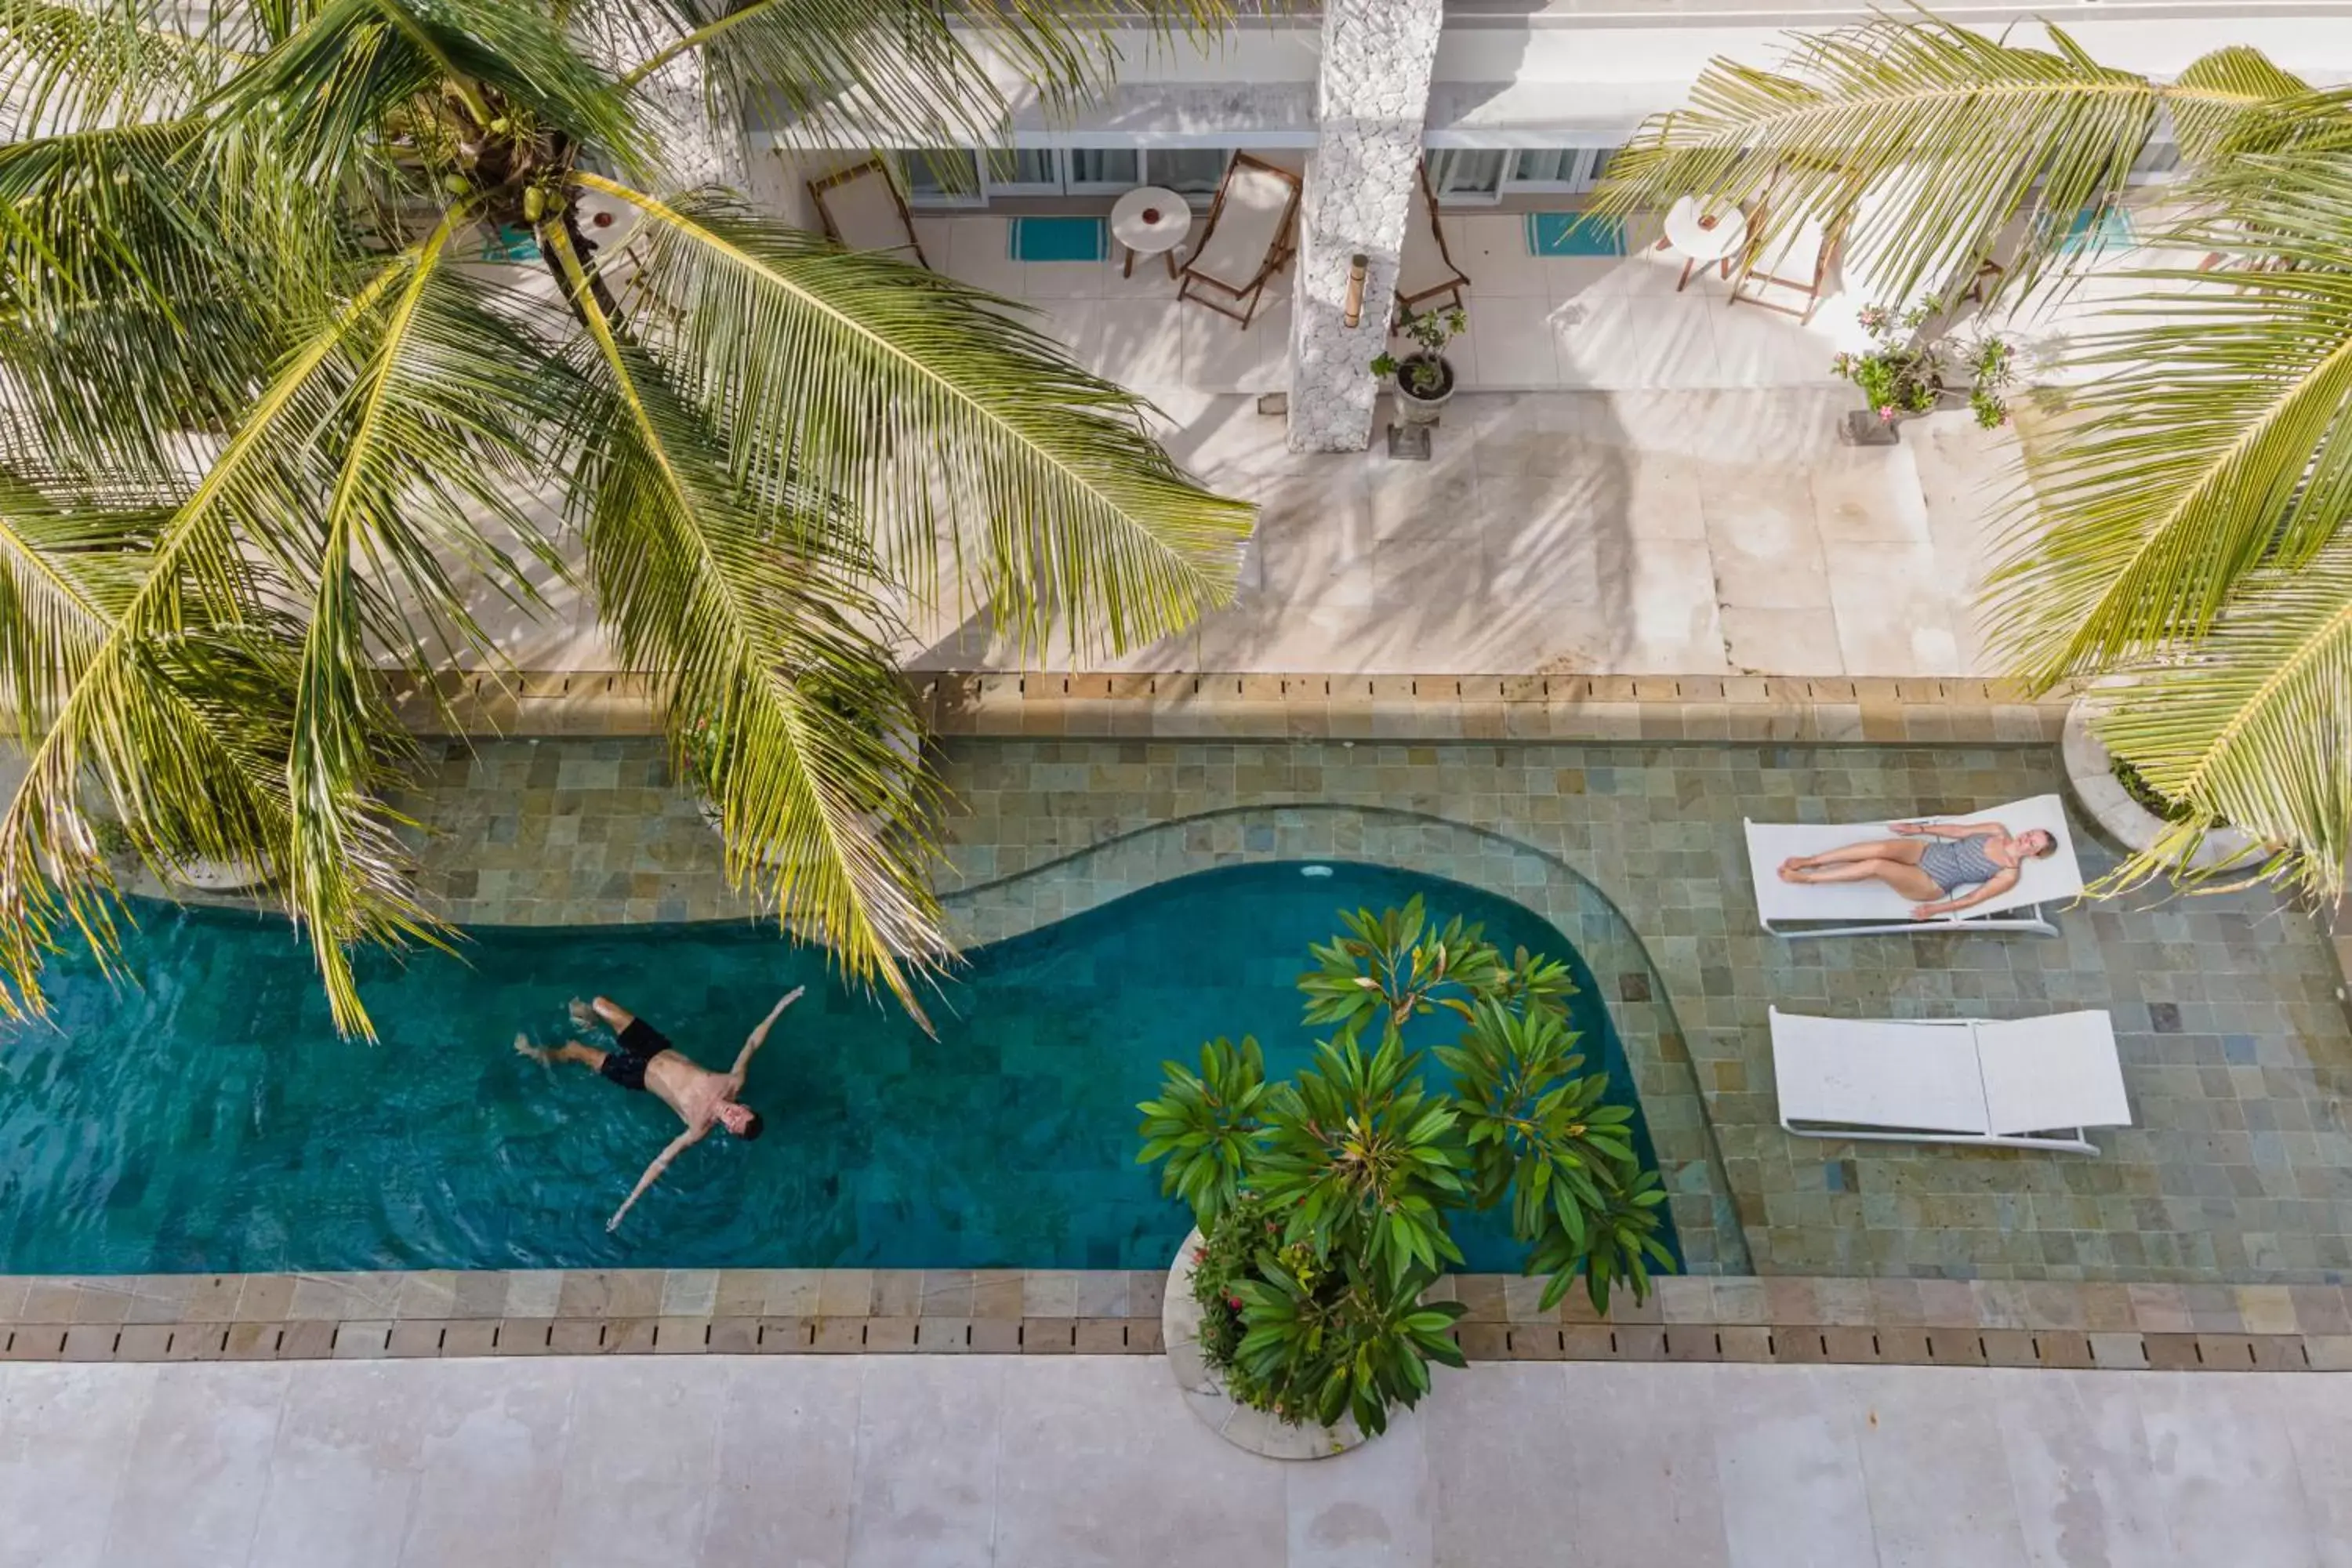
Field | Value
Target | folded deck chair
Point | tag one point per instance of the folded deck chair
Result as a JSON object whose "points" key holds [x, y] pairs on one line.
{"points": [[1860, 909], [2035, 1083], [1427, 279], [861, 209], [1246, 241], [1786, 272]]}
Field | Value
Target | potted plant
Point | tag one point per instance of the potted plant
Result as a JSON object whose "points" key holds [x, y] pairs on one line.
{"points": [[1323, 1201], [1424, 378], [1904, 373]]}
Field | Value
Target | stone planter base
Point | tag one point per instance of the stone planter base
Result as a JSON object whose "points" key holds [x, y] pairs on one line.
{"points": [[219, 876], [2090, 775], [1261, 1433], [1860, 427]]}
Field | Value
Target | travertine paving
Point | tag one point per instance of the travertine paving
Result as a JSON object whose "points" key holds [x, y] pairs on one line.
{"points": [[1635, 531], [895, 1462]]}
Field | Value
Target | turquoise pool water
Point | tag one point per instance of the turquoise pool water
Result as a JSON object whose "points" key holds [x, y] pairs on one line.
{"points": [[210, 1120]]}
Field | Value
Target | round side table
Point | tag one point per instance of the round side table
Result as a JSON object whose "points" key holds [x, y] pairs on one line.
{"points": [[1705, 229], [1151, 220]]}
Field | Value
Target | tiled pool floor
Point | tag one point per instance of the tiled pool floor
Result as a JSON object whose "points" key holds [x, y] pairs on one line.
{"points": [[2237, 1055]]}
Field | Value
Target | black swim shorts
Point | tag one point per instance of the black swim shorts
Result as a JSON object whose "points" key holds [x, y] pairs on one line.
{"points": [[640, 1043]]}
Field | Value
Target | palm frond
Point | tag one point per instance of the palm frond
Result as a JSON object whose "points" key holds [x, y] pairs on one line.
{"points": [[2236, 99], [65, 572], [902, 72], [2212, 440], [944, 421], [427, 427], [68, 67], [790, 711], [175, 710], [2252, 723], [350, 68], [1925, 141]]}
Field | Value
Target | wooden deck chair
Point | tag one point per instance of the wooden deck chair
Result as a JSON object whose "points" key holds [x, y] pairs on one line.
{"points": [[862, 209], [1787, 272], [1427, 279], [1248, 238]]}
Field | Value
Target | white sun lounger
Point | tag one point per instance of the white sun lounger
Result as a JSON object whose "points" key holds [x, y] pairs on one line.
{"points": [[1860, 909], [2035, 1083]]}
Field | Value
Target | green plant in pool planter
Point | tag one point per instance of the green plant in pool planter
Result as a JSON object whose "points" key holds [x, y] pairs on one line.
{"points": [[1420, 372], [1323, 1201]]}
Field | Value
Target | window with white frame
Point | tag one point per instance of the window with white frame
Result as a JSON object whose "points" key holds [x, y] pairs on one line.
{"points": [[964, 178], [1469, 175], [1193, 172], [941, 176]]}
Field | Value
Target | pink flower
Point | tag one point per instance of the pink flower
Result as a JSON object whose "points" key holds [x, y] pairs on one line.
{"points": [[1886, 414], [1234, 1302]]}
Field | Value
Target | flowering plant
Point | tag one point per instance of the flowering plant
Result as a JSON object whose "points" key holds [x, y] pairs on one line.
{"points": [[1901, 375], [1324, 1199]]}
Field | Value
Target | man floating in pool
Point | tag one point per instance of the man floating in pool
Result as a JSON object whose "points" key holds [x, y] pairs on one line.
{"points": [[648, 1061]]}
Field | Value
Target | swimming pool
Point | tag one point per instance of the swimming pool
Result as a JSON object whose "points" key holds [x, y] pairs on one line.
{"points": [[210, 1120]]}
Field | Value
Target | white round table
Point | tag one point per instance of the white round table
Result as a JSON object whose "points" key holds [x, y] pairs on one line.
{"points": [[1150, 220], [1704, 228]]}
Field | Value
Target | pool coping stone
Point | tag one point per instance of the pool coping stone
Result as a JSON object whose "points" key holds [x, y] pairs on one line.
{"points": [[2092, 1325], [1195, 704]]}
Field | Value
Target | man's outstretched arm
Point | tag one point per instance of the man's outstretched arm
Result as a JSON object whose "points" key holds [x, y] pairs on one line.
{"points": [[758, 1036], [678, 1146]]}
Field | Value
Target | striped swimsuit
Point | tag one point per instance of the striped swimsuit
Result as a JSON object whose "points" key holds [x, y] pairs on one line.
{"points": [[1956, 863]]}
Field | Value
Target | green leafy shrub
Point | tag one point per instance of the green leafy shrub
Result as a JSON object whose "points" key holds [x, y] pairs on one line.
{"points": [[1900, 374], [1420, 372], [1323, 1201]]}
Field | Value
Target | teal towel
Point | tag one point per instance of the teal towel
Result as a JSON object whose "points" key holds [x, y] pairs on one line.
{"points": [[509, 244], [1574, 234], [1058, 239], [2097, 229]]}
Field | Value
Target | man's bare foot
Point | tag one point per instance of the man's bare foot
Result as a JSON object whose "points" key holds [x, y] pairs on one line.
{"points": [[583, 1015], [523, 1048]]}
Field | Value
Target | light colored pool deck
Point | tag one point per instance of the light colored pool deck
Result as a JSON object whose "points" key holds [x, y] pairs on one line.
{"points": [[910, 1463]]}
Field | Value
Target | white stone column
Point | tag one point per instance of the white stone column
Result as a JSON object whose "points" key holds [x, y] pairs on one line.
{"points": [[1371, 100]]}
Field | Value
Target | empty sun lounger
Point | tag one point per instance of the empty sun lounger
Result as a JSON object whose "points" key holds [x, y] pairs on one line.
{"points": [[1247, 241], [861, 209], [2034, 1083], [1861, 909], [1427, 279]]}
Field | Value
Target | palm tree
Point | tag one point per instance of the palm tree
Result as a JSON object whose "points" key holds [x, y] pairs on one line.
{"points": [[2185, 527], [268, 433]]}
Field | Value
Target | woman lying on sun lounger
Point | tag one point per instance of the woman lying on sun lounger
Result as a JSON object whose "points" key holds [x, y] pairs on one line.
{"points": [[1931, 862]]}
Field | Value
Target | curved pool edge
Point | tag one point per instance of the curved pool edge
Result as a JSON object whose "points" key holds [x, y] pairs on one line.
{"points": [[1640, 1007]]}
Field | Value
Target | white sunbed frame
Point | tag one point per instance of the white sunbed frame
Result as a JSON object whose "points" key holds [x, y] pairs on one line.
{"points": [[2005, 1085], [1873, 908]]}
